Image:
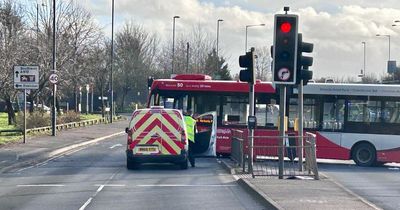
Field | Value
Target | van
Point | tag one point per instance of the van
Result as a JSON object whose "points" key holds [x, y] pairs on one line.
{"points": [[156, 135]]}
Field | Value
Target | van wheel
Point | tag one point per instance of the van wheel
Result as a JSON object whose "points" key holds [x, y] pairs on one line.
{"points": [[184, 165], [364, 155], [131, 165]]}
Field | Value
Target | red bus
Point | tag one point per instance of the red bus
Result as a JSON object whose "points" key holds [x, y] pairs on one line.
{"points": [[351, 121]]}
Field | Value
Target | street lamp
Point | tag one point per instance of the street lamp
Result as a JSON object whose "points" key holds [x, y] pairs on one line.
{"points": [[112, 62], [363, 73], [248, 26], [173, 42], [54, 71], [386, 35], [218, 21]]}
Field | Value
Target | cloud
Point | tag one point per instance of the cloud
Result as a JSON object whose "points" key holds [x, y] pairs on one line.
{"points": [[336, 27]]}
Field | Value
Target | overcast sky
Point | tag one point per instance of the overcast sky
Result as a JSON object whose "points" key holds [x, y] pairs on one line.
{"points": [[336, 27]]}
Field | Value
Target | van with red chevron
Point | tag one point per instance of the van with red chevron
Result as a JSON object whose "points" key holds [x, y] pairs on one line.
{"points": [[156, 135]]}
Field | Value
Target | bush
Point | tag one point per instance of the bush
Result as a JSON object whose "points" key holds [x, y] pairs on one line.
{"points": [[69, 117], [33, 120]]}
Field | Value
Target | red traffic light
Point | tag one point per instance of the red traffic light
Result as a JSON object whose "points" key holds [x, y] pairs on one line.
{"points": [[286, 27]]}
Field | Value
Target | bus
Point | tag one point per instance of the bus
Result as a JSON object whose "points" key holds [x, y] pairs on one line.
{"points": [[351, 121]]}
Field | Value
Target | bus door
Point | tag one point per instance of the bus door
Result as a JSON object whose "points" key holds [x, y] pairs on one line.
{"points": [[206, 136]]}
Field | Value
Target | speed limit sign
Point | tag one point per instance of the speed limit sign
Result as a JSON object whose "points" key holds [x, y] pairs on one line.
{"points": [[53, 78]]}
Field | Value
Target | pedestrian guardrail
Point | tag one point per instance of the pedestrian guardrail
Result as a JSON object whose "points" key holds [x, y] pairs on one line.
{"points": [[266, 150], [71, 125], [237, 146]]}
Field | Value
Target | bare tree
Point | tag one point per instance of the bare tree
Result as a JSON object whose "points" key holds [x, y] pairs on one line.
{"points": [[135, 52], [12, 51], [263, 64]]}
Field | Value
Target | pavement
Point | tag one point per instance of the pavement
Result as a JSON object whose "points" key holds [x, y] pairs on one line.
{"points": [[38, 149], [297, 194], [273, 193]]}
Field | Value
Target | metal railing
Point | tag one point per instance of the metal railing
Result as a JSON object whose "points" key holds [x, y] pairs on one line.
{"points": [[266, 150], [237, 147]]}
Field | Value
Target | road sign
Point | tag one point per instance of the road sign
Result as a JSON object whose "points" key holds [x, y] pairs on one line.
{"points": [[26, 77], [53, 78]]}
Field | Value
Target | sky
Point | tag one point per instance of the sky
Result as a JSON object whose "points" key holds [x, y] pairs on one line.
{"points": [[337, 28]]}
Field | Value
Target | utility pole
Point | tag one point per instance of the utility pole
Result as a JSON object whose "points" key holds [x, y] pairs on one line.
{"points": [[53, 114], [112, 64]]}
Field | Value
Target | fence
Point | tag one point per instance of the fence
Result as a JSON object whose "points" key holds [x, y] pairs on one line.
{"points": [[266, 150]]}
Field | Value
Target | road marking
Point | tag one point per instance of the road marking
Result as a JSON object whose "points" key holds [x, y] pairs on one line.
{"points": [[86, 204], [99, 189], [41, 185], [111, 185], [186, 185], [115, 145]]}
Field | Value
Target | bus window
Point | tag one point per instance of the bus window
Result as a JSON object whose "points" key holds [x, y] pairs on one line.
{"points": [[364, 111], [293, 111], [391, 112], [333, 117], [272, 115], [167, 102], [261, 114], [235, 110], [205, 103], [311, 115]]}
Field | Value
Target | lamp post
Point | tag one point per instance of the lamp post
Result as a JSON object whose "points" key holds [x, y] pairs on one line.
{"points": [[363, 73], [248, 26], [173, 42], [218, 21], [386, 35], [112, 63], [53, 110]]}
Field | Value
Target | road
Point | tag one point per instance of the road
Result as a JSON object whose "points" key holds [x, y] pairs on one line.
{"points": [[95, 177], [378, 185]]}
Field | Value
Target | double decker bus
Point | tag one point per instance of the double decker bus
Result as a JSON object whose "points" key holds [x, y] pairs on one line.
{"points": [[351, 121]]}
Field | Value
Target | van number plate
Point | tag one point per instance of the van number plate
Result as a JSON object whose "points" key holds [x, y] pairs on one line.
{"points": [[147, 149]]}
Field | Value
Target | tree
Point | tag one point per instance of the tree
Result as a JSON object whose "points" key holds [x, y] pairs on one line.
{"points": [[216, 66], [263, 64], [12, 42], [135, 60]]}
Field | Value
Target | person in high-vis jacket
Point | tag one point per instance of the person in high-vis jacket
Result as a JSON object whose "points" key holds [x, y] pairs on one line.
{"points": [[190, 129]]}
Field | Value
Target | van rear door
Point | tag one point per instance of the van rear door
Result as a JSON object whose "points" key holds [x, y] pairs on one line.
{"points": [[145, 128], [173, 132]]}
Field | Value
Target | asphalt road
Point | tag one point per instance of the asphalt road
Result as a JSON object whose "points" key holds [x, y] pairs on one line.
{"points": [[378, 185], [95, 177]]}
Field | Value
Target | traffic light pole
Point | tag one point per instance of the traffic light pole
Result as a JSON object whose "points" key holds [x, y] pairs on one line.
{"points": [[300, 126], [251, 131], [282, 109]]}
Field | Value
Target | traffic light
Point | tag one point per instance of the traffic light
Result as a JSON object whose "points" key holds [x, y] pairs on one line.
{"points": [[303, 62], [284, 50], [247, 61]]}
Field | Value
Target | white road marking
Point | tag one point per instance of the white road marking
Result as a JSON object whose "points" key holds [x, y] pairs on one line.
{"points": [[111, 185], [41, 185], [186, 185], [99, 189], [86, 204], [91, 198], [115, 145]]}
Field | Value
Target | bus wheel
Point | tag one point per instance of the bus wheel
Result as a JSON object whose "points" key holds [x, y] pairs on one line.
{"points": [[364, 154]]}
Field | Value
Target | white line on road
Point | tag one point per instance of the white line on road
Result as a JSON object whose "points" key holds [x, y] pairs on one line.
{"points": [[41, 185], [186, 185], [115, 145], [111, 185], [99, 189], [91, 198], [86, 204]]}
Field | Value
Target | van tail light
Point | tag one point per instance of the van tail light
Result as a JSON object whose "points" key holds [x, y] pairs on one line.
{"points": [[183, 137]]}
